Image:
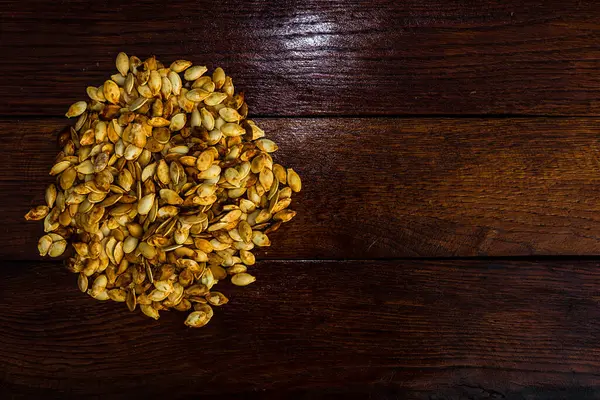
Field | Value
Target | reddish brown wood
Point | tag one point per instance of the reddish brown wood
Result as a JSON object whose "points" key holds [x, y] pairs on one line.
{"points": [[383, 188], [378, 188], [314, 57], [405, 329]]}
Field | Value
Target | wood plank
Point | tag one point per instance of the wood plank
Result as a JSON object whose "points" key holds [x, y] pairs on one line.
{"points": [[389, 188], [313, 57], [389, 329]]}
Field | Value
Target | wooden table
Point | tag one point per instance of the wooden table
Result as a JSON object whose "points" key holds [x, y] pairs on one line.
{"points": [[447, 235]]}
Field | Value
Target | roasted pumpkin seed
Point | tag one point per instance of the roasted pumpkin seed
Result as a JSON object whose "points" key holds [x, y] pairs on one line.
{"points": [[163, 189]]}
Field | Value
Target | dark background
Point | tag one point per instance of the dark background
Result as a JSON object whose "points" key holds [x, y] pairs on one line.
{"points": [[447, 238]]}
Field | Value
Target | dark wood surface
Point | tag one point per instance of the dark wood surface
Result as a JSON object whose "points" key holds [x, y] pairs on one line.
{"points": [[381, 188], [319, 57], [384, 329], [447, 242]]}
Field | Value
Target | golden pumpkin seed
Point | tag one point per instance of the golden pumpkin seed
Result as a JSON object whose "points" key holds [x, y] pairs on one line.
{"points": [[260, 239], [99, 285], [197, 319], [176, 83], [195, 72], [170, 197], [232, 129], [122, 63], [131, 299], [155, 82], [197, 95], [211, 173], [217, 298], [180, 65], [57, 248], [177, 122], [82, 282], [44, 244], [146, 250], [111, 91], [137, 103], [267, 145], [293, 180], [218, 77], [204, 308], [149, 311], [215, 98], [146, 204], [130, 244], [242, 279], [247, 257], [37, 213], [230, 115], [76, 109], [143, 193]]}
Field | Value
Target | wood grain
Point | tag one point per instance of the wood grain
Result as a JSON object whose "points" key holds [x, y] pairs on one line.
{"points": [[318, 58], [388, 329], [381, 188]]}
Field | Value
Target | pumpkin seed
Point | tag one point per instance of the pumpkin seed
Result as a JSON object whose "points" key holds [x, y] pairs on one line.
{"points": [[44, 244], [215, 98], [230, 115], [180, 65], [158, 209], [111, 91], [149, 311], [195, 72], [293, 180], [232, 129], [216, 298], [218, 77], [197, 319], [177, 122], [197, 95], [76, 109], [122, 63], [242, 279], [57, 248], [37, 213], [247, 257]]}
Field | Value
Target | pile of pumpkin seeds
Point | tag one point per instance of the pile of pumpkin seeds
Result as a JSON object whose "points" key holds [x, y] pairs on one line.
{"points": [[163, 189]]}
